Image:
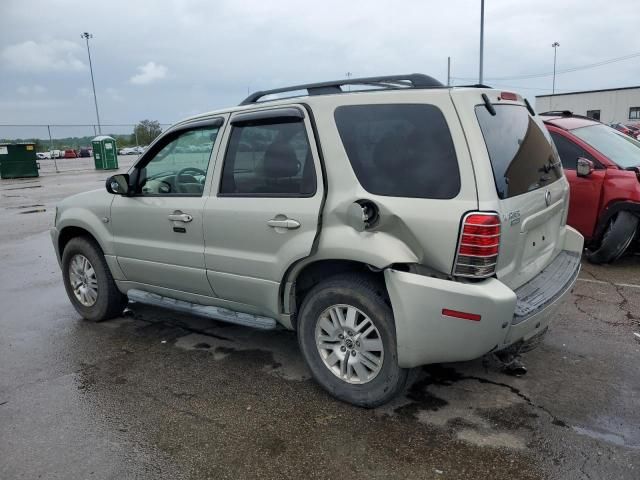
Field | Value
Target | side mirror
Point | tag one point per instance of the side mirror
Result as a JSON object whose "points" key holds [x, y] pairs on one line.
{"points": [[118, 184], [584, 167]]}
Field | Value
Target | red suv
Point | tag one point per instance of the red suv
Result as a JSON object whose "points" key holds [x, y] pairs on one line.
{"points": [[603, 169]]}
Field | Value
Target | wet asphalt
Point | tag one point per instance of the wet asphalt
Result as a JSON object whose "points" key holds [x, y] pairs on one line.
{"points": [[156, 394]]}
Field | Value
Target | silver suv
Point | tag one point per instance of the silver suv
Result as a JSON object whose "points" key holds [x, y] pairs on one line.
{"points": [[391, 224]]}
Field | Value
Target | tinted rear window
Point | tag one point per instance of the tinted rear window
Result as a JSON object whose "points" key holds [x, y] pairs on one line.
{"points": [[520, 151], [400, 150]]}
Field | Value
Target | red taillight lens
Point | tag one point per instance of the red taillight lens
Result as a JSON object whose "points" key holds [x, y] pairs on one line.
{"points": [[478, 246]]}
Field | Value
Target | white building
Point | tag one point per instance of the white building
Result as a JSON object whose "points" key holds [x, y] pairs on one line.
{"points": [[612, 105]]}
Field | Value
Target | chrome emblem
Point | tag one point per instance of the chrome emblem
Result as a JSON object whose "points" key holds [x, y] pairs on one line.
{"points": [[547, 198]]}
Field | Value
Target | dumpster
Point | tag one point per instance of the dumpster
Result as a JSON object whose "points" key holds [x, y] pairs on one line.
{"points": [[105, 153], [18, 160]]}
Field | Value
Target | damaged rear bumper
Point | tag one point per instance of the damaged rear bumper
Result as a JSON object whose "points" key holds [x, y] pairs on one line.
{"points": [[427, 333]]}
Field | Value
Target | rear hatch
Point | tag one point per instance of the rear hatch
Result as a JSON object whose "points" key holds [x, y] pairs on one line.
{"points": [[519, 176]]}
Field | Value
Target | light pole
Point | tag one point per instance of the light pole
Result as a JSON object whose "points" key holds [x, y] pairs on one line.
{"points": [[87, 36], [555, 46], [481, 40]]}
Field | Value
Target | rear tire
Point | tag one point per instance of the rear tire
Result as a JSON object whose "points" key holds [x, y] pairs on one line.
{"points": [[616, 239], [88, 281], [370, 376]]}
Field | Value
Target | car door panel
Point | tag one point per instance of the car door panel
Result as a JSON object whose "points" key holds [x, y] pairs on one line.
{"points": [[251, 239], [584, 200], [149, 251], [586, 192], [158, 231]]}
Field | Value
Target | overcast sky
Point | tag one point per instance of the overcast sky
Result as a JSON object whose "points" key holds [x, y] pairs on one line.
{"points": [[171, 59]]}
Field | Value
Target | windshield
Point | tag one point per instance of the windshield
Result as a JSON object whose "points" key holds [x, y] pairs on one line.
{"points": [[522, 156], [618, 147]]}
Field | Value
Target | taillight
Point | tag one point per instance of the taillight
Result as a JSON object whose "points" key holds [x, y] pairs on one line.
{"points": [[478, 246]]}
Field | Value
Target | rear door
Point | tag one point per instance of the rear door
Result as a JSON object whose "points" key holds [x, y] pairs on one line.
{"points": [[586, 192], [264, 210], [519, 176]]}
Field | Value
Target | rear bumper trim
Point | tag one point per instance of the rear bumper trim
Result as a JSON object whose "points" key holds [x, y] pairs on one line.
{"points": [[546, 287]]}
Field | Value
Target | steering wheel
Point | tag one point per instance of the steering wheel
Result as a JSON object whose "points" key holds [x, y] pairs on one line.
{"points": [[188, 172]]}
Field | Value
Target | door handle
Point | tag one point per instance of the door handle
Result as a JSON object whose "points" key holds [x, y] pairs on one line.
{"points": [[180, 217], [288, 223]]}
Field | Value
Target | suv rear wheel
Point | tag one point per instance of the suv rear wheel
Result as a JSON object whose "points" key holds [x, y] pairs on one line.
{"points": [[346, 333], [616, 238], [88, 281]]}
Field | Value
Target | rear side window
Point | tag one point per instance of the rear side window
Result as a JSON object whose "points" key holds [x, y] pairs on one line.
{"points": [[269, 159], [400, 150], [520, 151]]}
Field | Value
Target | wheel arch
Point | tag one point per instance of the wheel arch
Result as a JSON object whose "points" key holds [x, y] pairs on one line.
{"points": [[302, 277], [72, 231], [613, 209]]}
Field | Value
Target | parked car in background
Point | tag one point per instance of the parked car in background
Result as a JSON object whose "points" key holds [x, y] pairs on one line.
{"points": [[70, 153], [43, 155], [622, 128], [603, 168], [56, 154], [127, 151], [84, 152], [390, 227], [635, 131]]}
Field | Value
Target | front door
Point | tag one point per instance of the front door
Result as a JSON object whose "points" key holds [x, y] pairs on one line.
{"points": [[586, 192], [263, 211], [158, 231]]}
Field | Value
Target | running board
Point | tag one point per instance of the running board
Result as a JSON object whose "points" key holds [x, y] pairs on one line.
{"points": [[215, 313]]}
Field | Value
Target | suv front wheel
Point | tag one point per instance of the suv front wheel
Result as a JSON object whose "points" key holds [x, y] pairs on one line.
{"points": [[346, 333], [88, 281]]}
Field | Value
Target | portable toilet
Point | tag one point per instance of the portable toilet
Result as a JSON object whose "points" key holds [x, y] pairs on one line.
{"points": [[105, 152], [18, 160]]}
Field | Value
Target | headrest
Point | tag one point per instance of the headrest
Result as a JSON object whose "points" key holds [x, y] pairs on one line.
{"points": [[280, 161]]}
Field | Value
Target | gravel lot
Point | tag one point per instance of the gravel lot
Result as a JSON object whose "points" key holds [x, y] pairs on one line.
{"points": [[157, 394]]}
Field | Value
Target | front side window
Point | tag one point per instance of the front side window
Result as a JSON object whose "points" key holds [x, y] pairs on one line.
{"points": [[180, 167], [569, 152], [521, 154], [634, 113], [400, 150], [268, 158]]}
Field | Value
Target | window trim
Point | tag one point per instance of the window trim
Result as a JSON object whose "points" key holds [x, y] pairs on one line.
{"points": [[635, 110], [162, 141], [264, 120]]}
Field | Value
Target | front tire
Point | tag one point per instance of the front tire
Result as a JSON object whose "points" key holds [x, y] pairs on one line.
{"points": [[346, 333], [616, 239], [88, 281]]}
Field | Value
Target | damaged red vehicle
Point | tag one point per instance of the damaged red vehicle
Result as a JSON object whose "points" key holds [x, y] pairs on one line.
{"points": [[603, 169]]}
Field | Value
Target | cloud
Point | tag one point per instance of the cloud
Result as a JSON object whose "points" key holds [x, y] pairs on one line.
{"points": [[114, 94], [149, 73], [49, 56], [31, 89]]}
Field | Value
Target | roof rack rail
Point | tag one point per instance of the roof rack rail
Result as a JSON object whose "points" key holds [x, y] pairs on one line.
{"points": [[412, 80], [563, 113]]}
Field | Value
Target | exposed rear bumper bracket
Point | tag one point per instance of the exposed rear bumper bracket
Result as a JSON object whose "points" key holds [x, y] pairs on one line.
{"points": [[550, 284]]}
